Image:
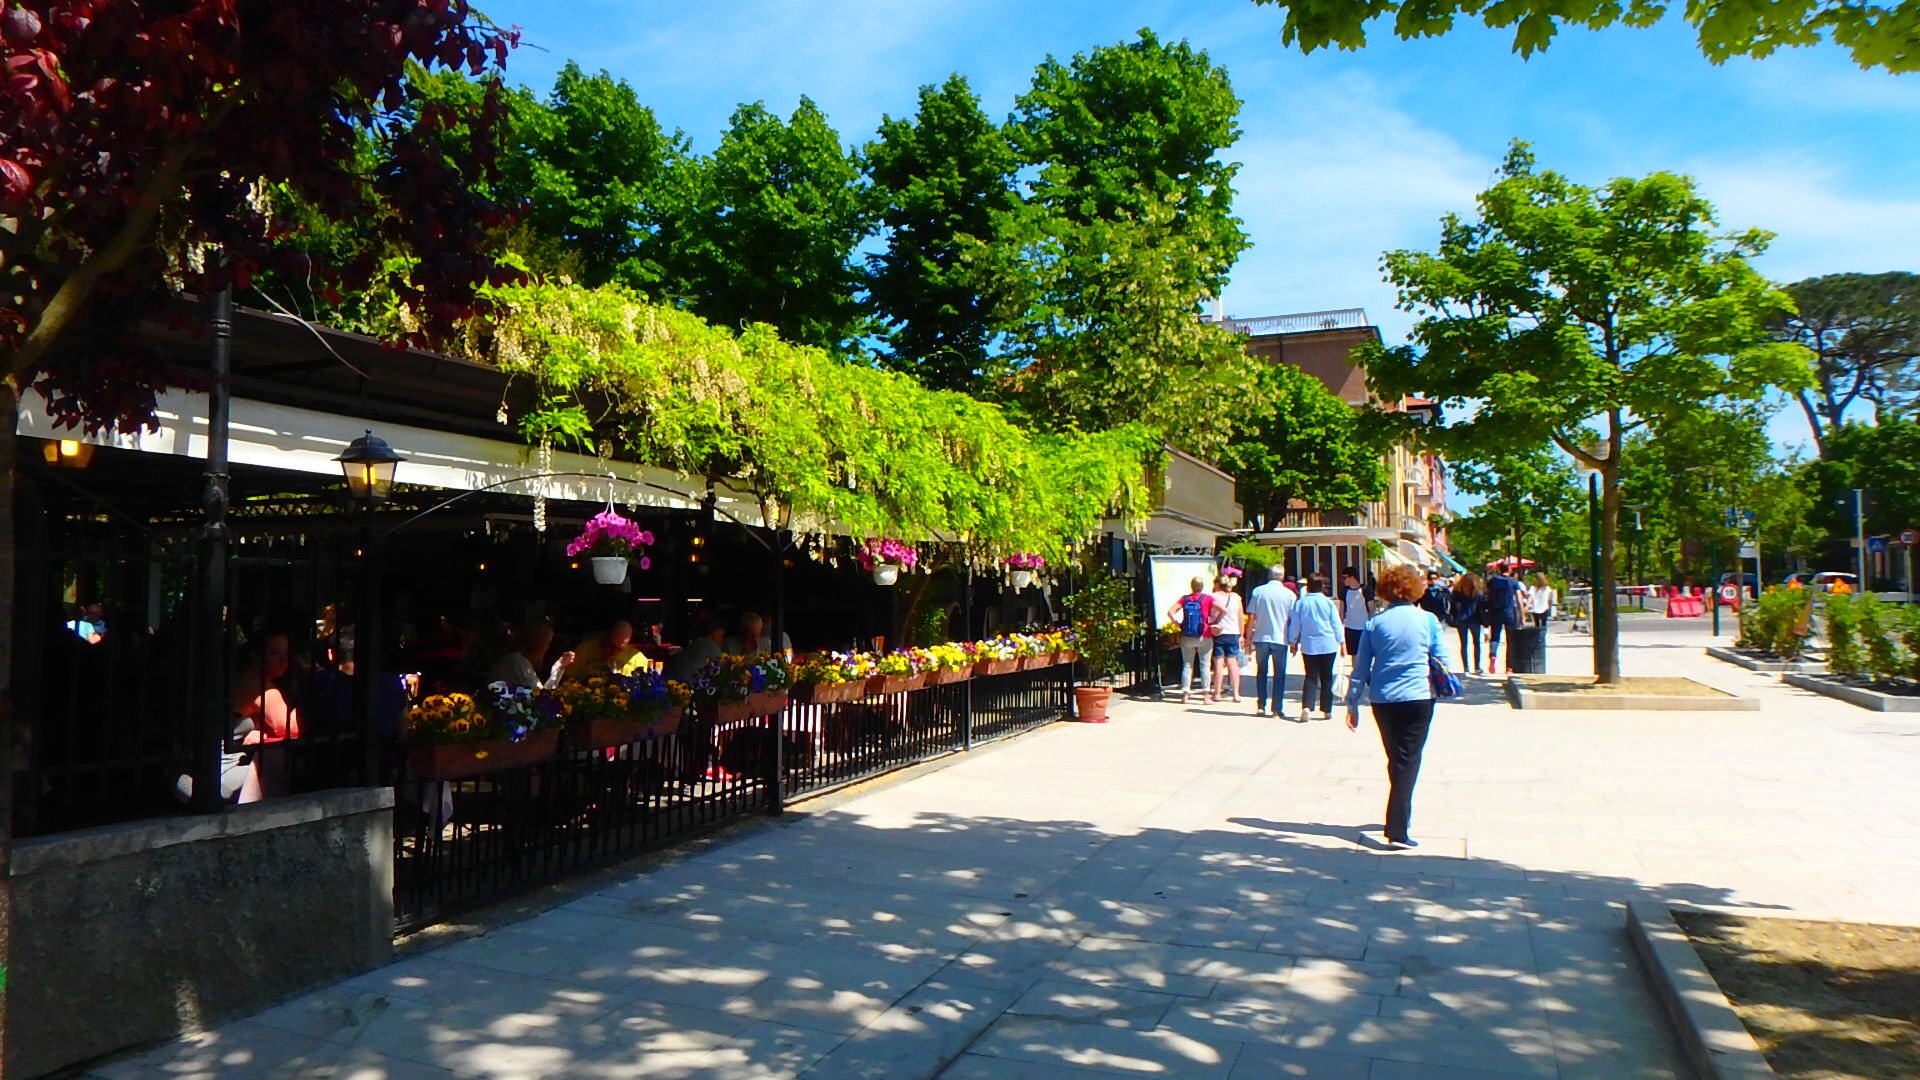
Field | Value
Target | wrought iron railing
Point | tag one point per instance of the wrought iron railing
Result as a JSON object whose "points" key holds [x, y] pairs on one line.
{"points": [[466, 841]]}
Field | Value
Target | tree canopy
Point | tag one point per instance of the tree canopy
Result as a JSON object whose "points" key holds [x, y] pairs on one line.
{"points": [[1877, 35], [763, 230], [1573, 316], [944, 181], [1301, 442], [124, 189], [822, 441], [1864, 333]]}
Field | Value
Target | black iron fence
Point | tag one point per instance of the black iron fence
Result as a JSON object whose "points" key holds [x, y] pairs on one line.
{"points": [[464, 840]]}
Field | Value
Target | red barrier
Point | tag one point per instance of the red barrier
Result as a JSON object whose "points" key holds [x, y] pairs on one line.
{"points": [[1683, 607]]}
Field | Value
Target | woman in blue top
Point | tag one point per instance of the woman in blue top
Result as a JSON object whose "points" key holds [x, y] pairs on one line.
{"points": [[1315, 633], [1392, 667]]}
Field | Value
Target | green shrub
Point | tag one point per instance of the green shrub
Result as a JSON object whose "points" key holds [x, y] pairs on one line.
{"points": [[1879, 627], [1843, 635], [1909, 627], [1779, 622]]}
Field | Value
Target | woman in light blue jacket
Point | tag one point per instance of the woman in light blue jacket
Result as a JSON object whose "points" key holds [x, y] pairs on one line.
{"points": [[1392, 668], [1315, 633]]}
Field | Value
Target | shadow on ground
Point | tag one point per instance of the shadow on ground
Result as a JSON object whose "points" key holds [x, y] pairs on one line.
{"points": [[844, 947]]}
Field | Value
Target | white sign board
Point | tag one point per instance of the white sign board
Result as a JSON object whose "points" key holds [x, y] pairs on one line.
{"points": [[1170, 576], [1748, 551]]}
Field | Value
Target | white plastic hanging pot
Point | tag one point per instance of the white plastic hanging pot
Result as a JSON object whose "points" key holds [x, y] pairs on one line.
{"points": [[886, 574], [1021, 579], [609, 569]]}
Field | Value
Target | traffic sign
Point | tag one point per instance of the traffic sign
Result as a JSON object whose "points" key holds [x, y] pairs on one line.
{"points": [[1877, 545], [1910, 537]]}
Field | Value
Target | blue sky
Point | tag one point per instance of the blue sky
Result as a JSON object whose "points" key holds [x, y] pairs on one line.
{"points": [[1344, 155]]}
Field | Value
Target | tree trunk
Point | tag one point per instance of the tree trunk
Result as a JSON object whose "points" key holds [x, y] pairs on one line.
{"points": [[9, 441]]}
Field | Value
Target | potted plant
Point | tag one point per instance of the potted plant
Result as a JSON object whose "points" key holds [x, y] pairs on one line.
{"points": [[456, 735], [609, 542], [948, 663], [614, 710], [885, 558], [1022, 565], [893, 674], [1104, 624], [825, 678]]}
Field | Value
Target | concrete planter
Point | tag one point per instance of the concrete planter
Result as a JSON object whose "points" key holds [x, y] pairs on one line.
{"points": [[1855, 695], [1751, 663]]}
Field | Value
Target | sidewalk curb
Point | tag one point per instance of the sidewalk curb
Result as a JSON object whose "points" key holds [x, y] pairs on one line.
{"points": [[1717, 1044], [1770, 667]]}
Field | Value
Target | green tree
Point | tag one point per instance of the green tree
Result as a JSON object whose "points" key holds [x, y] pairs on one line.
{"points": [[1884, 460], [943, 180], [1301, 442], [1107, 332], [763, 231], [1864, 332], [1127, 131], [1877, 35], [1524, 495], [1571, 315]]}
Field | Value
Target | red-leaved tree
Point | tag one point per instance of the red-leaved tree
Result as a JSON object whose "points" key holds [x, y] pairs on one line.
{"points": [[135, 138]]}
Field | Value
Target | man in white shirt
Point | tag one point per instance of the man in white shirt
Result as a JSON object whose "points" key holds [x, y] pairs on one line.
{"points": [[1353, 608], [1269, 612]]}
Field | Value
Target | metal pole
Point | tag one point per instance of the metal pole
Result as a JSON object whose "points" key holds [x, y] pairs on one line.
{"points": [[1593, 537], [1713, 587], [1860, 539], [966, 631], [366, 654], [776, 785], [216, 691], [1909, 554]]}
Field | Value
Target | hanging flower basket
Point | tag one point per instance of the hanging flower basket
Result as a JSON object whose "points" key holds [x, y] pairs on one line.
{"points": [[457, 761], [1021, 566], [609, 542], [1020, 579], [885, 558]]}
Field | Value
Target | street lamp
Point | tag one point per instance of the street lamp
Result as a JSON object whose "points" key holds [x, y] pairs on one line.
{"points": [[368, 464]]}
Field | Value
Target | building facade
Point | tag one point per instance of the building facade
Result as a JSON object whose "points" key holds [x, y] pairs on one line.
{"points": [[1409, 521]]}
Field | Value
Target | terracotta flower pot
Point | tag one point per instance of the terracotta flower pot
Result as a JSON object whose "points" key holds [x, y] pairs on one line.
{"points": [[1090, 703], [892, 684], [604, 731], [948, 675], [768, 702], [456, 761], [997, 667]]}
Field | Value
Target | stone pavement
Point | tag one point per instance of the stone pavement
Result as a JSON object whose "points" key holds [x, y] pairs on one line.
{"points": [[1184, 892]]}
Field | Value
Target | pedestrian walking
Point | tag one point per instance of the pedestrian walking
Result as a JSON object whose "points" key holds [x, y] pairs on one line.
{"points": [[1353, 608], [1469, 593], [1500, 612], [1540, 600], [1393, 669], [1193, 613], [1269, 619], [1229, 618], [1437, 600], [1315, 634]]}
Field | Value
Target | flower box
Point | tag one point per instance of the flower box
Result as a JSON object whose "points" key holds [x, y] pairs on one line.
{"points": [[822, 694], [1032, 663], [619, 731], [996, 667], [1067, 656], [457, 761], [892, 684], [944, 676], [766, 703]]}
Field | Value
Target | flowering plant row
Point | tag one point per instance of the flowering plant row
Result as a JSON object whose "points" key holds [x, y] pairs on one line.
{"points": [[836, 668], [514, 712], [735, 678], [1025, 560]]}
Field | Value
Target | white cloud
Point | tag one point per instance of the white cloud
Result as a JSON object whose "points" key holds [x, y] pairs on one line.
{"points": [[1821, 228], [1333, 176]]}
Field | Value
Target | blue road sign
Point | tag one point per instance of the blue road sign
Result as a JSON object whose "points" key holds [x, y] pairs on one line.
{"points": [[1877, 545]]}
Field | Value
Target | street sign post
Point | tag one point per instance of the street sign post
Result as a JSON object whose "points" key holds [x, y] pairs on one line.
{"points": [[1876, 545], [1908, 538]]}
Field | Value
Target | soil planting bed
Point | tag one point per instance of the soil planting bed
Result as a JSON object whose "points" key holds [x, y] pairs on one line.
{"points": [[1825, 1000], [1573, 692]]}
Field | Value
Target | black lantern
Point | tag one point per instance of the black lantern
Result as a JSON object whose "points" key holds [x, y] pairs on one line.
{"points": [[368, 463]]}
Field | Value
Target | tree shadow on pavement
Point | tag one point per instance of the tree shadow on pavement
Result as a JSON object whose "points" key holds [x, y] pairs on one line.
{"points": [[852, 944]]}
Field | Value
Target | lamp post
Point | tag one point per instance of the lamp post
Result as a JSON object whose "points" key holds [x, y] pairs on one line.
{"points": [[368, 465]]}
